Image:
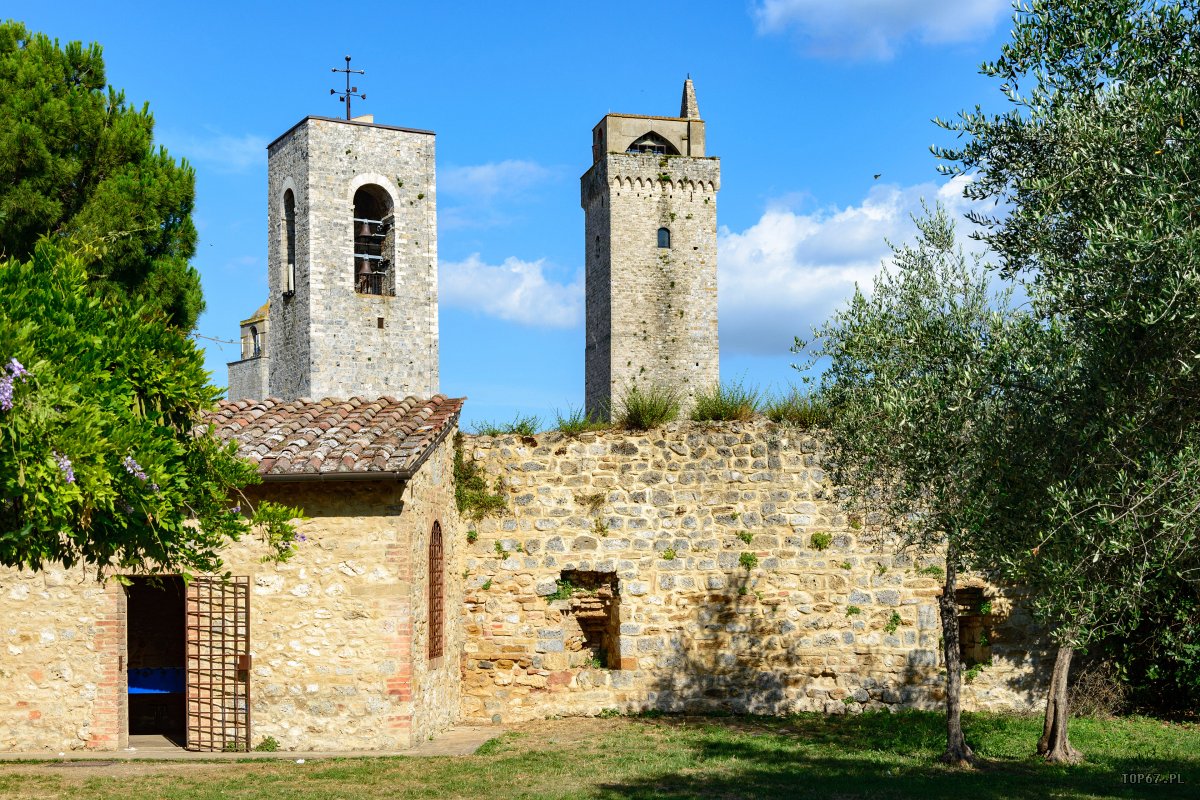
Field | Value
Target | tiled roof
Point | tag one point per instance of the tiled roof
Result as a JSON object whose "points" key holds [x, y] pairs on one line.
{"points": [[336, 439]]}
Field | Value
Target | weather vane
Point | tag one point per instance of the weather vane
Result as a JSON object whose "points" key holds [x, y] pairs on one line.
{"points": [[351, 91]]}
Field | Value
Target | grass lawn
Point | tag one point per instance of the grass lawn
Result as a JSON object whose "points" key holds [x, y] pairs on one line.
{"points": [[868, 756]]}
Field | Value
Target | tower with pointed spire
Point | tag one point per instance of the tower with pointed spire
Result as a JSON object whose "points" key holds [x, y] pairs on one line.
{"points": [[650, 211]]}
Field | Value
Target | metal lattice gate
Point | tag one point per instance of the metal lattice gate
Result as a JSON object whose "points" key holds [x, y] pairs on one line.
{"points": [[218, 664]]}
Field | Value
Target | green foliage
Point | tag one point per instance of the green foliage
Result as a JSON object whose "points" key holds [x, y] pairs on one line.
{"points": [[975, 670], [578, 421], [1094, 498], [500, 551], [820, 540], [471, 493], [668, 554], [985, 607], [853, 611], [563, 591], [486, 584], [519, 426], [642, 408], [748, 561], [599, 527], [104, 465], [893, 623], [746, 536], [846, 565], [932, 570], [799, 410], [77, 162], [472, 536], [269, 744], [726, 402]]}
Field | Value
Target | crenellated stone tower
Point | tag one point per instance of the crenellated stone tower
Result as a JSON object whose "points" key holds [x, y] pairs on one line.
{"points": [[352, 265], [650, 203]]}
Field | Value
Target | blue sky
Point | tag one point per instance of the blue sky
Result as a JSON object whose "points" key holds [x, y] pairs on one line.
{"points": [[805, 101]]}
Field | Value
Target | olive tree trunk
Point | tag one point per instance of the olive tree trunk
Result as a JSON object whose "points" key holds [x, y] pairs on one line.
{"points": [[957, 751], [1054, 744]]}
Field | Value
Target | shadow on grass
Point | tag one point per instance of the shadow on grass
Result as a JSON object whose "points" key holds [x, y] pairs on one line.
{"points": [[891, 755]]}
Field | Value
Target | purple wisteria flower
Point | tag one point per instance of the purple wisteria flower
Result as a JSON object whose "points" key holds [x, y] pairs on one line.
{"points": [[12, 371], [135, 469], [16, 370], [64, 466]]}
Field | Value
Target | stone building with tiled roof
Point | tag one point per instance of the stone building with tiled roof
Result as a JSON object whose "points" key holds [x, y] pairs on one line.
{"points": [[352, 644], [695, 567]]}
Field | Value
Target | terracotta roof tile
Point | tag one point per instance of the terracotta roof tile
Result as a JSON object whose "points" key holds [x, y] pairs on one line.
{"points": [[331, 437]]}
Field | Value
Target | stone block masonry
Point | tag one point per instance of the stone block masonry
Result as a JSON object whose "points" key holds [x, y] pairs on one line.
{"points": [[651, 310], [725, 599], [327, 338], [338, 633]]}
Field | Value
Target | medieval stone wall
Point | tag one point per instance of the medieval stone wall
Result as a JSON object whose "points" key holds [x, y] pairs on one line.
{"points": [[727, 597], [62, 686], [248, 379]]}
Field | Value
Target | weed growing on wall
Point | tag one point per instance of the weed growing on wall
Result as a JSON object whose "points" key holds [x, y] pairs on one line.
{"points": [[519, 426], [642, 408], [726, 402], [471, 493], [798, 410], [577, 421]]}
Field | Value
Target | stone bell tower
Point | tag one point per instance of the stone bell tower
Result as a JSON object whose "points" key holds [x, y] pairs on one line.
{"points": [[650, 209], [352, 264]]}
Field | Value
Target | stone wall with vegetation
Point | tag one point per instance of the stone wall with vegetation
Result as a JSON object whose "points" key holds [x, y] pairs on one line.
{"points": [[338, 633], [705, 567]]}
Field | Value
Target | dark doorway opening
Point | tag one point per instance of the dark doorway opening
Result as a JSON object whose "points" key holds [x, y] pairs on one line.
{"points": [[155, 621]]}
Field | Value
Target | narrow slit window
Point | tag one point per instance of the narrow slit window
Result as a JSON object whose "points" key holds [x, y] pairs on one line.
{"points": [[664, 237], [436, 592], [289, 243]]}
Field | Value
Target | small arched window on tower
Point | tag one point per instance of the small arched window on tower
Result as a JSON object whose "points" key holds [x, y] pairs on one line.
{"points": [[289, 243], [373, 234], [255, 343], [664, 238], [436, 596]]}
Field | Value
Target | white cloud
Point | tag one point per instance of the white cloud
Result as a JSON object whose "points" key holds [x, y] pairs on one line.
{"points": [[220, 151], [877, 28], [516, 291], [789, 271], [470, 193], [485, 181]]}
